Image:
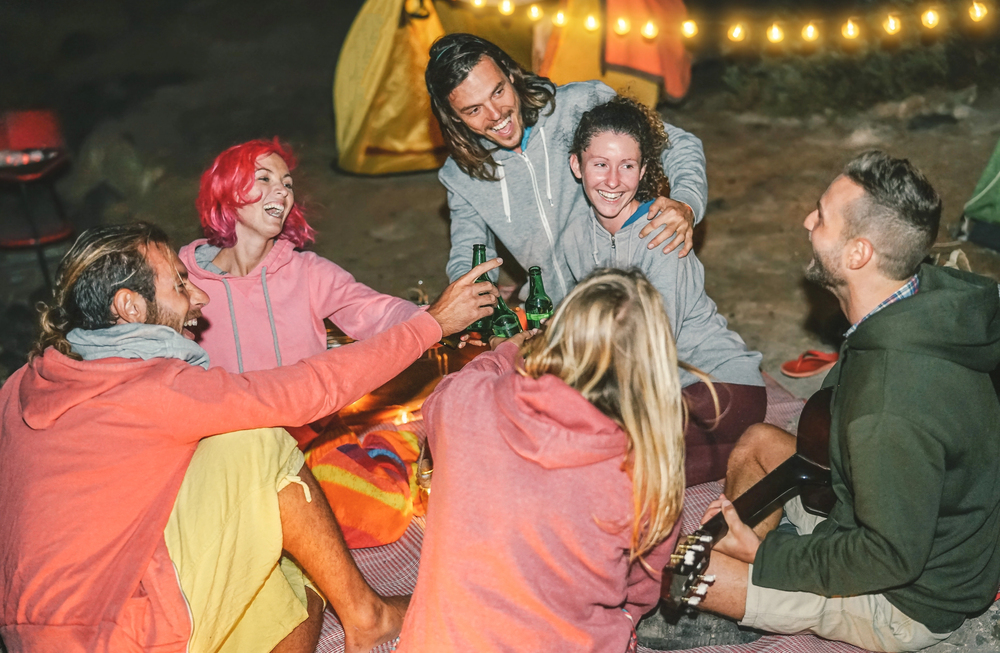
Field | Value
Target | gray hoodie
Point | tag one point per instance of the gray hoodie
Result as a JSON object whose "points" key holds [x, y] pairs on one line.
{"points": [[538, 201], [703, 337]]}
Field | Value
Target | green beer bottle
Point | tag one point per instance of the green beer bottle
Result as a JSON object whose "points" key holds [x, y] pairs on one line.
{"points": [[480, 326], [505, 321], [538, 306]]}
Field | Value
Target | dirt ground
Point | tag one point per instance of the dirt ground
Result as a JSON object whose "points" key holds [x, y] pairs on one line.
{"points": [[148, 96]]}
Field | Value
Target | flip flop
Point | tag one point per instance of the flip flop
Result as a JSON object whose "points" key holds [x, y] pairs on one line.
{"points": [[810, 363]]}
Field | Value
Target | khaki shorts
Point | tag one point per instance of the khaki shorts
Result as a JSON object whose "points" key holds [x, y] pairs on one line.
{"points": [[868, 620], [224, 538]]}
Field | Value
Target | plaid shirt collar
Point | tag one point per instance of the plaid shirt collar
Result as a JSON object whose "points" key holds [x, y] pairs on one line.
{"points": [[909, 289]]}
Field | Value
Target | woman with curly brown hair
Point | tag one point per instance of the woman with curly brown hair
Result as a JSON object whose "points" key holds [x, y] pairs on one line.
{"points": [[616, 156]]}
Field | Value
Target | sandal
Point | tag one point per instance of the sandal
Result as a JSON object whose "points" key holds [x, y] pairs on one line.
{"points": [[810, 363]]}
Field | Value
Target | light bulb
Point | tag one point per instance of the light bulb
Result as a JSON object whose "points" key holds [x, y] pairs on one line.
{"points": [[737, 32], [977, 11], [689, 28], [591, 23], [506, 7], [622, 26], [930, 19], [850, 29], [559, 19], [810, 32], [649, 30], [478, 3], [775, 34], [892, 24], [534, 12]]}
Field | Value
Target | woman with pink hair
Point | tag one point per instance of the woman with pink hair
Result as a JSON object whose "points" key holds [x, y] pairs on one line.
{"points": [[268, 297]]}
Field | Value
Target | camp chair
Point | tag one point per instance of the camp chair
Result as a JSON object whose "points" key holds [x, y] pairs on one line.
{"points": [[31, 149]]}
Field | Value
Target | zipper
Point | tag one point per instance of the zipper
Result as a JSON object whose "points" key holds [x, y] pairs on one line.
{"points": [[544, 218]]}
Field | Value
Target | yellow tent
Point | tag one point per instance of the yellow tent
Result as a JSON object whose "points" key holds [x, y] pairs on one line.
{"points": [[383, 113]]}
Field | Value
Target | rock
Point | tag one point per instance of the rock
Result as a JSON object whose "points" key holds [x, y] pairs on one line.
{"points": [[962, 112], [930, 121], [753, 119], [864, 136], [911, 106], [817, 120], [108, 156]]}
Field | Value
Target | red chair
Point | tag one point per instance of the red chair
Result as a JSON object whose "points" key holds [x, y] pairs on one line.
{"points": [[31, 149]]}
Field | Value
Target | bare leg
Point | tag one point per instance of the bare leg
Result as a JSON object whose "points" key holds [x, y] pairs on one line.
{"points": [[760, 449], [305, 637], [311, 535], [728, 595]]}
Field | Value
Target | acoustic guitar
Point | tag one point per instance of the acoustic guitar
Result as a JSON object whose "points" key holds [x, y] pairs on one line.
{"points": [[807, 473]]}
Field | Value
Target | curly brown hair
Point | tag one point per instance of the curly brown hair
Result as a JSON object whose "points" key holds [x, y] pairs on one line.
{"points": [[102, 261], [452, 57], [623, 115]]}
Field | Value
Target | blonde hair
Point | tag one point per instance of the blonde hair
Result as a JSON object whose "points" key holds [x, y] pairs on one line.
{"points": [[610, 339]]}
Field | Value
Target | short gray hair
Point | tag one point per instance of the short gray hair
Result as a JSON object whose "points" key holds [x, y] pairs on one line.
{"points": [[899, 213]]}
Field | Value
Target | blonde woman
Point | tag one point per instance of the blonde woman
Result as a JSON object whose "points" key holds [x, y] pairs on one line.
{"points": [[558, 481]]}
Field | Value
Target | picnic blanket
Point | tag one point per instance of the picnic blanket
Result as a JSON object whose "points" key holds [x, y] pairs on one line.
{"points": [[392, 569]]}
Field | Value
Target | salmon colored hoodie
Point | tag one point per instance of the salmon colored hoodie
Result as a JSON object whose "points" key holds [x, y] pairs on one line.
{"points": [[528, 527], [274, 315], [92, 454]]}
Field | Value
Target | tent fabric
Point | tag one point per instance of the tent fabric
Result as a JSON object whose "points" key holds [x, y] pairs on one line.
{"points": [[383, 114], [984, 205], [630, 63]]}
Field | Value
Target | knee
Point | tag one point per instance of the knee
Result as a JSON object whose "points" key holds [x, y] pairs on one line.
{"points": [[752, 445]]}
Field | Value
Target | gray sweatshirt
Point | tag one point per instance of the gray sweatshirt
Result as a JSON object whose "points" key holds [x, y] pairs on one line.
{"points": [[538, 201], [703, 337]]}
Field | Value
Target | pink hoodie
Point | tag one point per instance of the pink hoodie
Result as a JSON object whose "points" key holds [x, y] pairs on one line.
{"points": [[91, 456], [528, 525], [274, 315]]}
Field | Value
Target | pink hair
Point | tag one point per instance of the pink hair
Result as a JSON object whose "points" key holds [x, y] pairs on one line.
{"points": [[226, 187]]}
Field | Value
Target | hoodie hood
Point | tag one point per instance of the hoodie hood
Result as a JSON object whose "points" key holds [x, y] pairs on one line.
{"points": [[53, 383], [198, 256], [954, 316], [553, 425]]}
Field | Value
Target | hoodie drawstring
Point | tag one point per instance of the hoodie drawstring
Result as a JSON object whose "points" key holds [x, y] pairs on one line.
{"points": [[270, 314], [548, 179], [503, 191], [236, 330]]}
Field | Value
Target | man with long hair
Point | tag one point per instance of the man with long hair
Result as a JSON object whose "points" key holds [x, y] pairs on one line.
{"points": [[910, 548], [127, 523], [508, 132]]}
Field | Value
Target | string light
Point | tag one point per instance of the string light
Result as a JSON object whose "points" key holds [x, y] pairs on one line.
{"points": [[810, 32], [591, 23], [689, 28], [850, 29], [649, 30], [559, 19], [977, 11], [506, 7], [930, 19], [534, 12], [622, 26], [478, 3], [775, 34], [737, 32], [892, 24]]}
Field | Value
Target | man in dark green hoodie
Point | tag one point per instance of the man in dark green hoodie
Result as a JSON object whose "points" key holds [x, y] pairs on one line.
{"points": [[912, 545]]}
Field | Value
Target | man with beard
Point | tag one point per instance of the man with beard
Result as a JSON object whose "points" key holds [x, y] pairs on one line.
{"points": [[912, 544], [126, 522], [508, 177]]}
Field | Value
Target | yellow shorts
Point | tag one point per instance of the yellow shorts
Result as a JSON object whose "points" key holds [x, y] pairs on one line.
{"points": [[224, 538]]}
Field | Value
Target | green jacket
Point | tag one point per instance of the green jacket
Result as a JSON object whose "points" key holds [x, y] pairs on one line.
{"points": [[915, 461]]}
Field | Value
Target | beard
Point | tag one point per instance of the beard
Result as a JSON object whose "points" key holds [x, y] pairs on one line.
{"points": [[820, 273], [156, 314]]}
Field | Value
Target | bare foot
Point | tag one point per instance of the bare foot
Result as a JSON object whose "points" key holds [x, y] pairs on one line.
{"points": [[387, 622]]}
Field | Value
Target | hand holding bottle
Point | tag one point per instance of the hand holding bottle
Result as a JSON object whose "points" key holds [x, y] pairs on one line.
{"points": [[466, 300]]}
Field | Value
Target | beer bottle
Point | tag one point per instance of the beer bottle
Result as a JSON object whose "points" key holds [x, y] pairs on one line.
{"points": [[538, 306], [482, 325], [505, 322]]}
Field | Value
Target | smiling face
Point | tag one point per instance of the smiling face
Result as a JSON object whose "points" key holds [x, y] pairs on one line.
{"points": [[610, 170], [488, 104], [178, 301], [265, 218], [827, 233]]}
